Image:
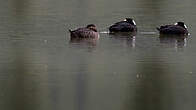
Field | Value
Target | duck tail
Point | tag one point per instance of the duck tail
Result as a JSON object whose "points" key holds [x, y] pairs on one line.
{"points": [[158, 28]]}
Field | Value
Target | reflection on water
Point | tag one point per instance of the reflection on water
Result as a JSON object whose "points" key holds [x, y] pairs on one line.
{"points": [[128, 38], [87, 42], [42, 69], [173, 40]]}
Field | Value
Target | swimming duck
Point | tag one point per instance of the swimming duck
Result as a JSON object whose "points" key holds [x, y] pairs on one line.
{"points": [[178, 28], [128, 25], [90, 31]]}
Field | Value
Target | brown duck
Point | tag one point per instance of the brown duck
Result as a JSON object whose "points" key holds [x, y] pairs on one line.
{"points": [[90, 31]]}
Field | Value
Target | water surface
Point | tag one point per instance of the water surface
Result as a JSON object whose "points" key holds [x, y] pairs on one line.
{"points": [[40, 69]]}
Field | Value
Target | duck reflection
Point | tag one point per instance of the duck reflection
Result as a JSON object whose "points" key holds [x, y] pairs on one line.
{"points": [[88, 43], [174, 40], [129, 38]]}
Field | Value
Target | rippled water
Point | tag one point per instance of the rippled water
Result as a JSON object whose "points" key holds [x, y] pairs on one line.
{"points": [[41, 69]]}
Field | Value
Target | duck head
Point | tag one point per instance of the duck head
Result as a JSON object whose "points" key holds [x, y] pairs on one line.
{"points": [[92, 27], [181, 24], [130, 20]]}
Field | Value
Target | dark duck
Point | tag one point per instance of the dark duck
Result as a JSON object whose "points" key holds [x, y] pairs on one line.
{"points": [[178, 28], [90, 31], [128, 25]]}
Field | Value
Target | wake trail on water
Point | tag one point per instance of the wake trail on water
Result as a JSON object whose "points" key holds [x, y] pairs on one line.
{"points": [[145, 33]]}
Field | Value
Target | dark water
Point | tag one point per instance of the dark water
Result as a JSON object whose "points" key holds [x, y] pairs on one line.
{"points": [[40, 69]]}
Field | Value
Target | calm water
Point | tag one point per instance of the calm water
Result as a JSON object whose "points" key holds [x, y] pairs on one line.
{"points": [[40, 69]]}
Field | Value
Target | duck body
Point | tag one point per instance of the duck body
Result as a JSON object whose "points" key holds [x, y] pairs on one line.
{"points": [[178, 28], [128, 25], [89, 31]]}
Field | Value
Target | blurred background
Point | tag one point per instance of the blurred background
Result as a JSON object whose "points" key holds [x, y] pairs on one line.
{"points": [[40, 69]]}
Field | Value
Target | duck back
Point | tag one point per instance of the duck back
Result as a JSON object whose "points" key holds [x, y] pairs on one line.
{"points": [[122, 27], [178, 28], [84, 33], [173, 30]]}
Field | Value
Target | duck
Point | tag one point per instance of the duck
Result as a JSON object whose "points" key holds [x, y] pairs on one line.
{"points": [[178, 28], [90, 31], [127, 25]]}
